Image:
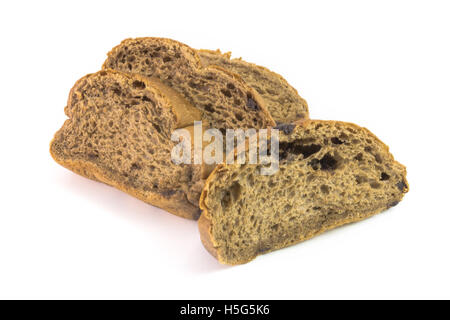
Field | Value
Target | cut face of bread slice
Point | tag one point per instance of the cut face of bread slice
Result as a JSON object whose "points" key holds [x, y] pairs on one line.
{"points": [[282, 100], [331, 173], [119, 132], [222, 97]]}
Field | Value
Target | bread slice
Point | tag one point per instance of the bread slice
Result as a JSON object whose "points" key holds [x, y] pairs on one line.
{"points": [[282, 100], [119, 132], [223, 98], [331, 173]]}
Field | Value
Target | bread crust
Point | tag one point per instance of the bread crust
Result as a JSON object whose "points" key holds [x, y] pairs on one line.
{"points": [[205, 222], [204, 227]]}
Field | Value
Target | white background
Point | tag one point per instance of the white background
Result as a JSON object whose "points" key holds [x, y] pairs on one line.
{"points": [[382, 64]]}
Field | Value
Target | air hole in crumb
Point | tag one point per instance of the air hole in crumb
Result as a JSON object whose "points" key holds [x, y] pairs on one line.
{"points": [[138, 84], [157, 128], [328, 162], [235, 191], [343, 136], [384, 176], [226, 92], [208, 107], [325, 189], [336, 140], [297, 147], [135, 166], [375, 185], [314, 163], [275, 227], [230, 86], [193, 85], [378, 158], [167, 59], [226, 199], [360, 179], [287, 208]]}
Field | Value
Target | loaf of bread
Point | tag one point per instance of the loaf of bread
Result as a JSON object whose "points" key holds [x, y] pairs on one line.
{"points": [[282, 100], [119, 132], [330, 173], [222, 97]]}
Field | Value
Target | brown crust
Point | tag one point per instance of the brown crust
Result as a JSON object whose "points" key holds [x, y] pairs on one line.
{"points": [[205, 223], [113, 50], [204, 227]]}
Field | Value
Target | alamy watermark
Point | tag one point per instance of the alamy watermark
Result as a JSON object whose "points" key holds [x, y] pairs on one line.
{"points": [[238, 146]]}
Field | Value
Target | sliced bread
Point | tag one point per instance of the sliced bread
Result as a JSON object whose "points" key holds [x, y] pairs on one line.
{"points": [[330, 173], [223, 98], [119, 132], [282, 100]]}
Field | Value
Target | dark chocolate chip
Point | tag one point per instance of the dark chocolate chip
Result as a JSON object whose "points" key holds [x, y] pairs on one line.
{"points": [[168, 193], [286, 128], [197, 214], [263, 248], [392, 204], [402, 185], [251, 104], [92, 156]]}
